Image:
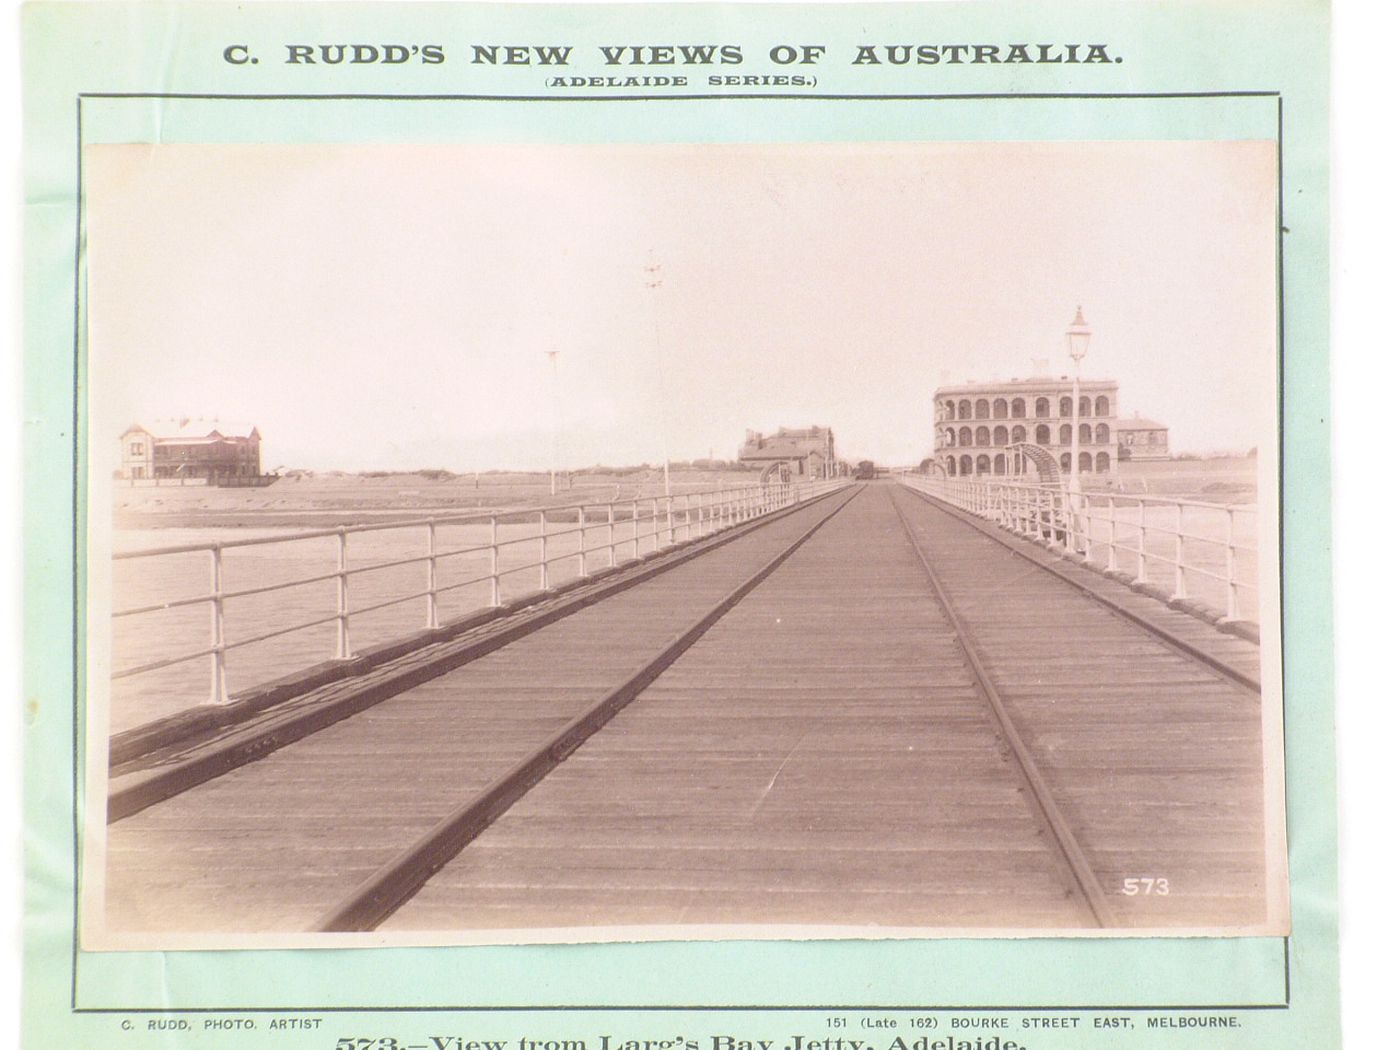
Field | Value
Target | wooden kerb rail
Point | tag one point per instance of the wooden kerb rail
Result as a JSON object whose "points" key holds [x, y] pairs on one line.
{"points": [[1021, 548]]}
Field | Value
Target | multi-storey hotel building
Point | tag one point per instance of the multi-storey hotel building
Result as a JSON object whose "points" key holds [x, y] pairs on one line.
{"points": [[974, 423]]}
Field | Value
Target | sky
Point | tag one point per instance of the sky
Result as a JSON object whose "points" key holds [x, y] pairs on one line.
{"points": [[392, 306]]}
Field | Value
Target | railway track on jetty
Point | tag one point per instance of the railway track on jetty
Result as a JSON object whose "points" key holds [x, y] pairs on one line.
{"points": [[865, 713]]}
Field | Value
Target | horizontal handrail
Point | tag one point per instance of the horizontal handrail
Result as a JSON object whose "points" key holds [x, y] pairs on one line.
{"points": [[475, 517], [1094, 524], [631, 525], [914, 480]]}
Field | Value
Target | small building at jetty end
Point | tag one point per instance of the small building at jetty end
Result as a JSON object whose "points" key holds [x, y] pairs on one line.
{"points": [[1140, 439], [974, 423], [213, 451], [801, 453]]}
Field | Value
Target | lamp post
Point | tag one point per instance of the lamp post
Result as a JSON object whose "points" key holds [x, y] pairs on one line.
{"points": [[1077, 339]]}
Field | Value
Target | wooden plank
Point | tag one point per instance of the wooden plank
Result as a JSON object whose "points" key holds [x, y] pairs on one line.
{"points": [[779, 796]]}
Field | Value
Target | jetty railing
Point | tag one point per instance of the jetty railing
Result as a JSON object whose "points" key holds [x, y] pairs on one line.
{"points": [[1188, 549], [608, 530]]}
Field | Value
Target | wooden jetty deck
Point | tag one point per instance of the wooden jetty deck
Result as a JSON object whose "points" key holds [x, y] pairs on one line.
{"points": [[868, 712]]}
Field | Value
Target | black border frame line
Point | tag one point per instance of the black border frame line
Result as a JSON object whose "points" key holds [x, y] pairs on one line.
{"points": [[79, 532]]}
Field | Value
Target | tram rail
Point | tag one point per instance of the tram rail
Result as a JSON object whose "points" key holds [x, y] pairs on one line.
{"points": [[1086, 884], [393, 883]]}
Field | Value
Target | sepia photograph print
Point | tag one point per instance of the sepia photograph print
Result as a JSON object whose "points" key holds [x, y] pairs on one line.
{"points": [[544, 543]]}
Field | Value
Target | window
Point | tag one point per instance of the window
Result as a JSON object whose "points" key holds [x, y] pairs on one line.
{"points": [[964, 409], [983, 436], [1018, 409], [965, 436], [999, 436], [1101, 406], [1101, 463], [1101, 434], [1066, 433], [984, 465], [982, 412], [1042, 435], [999, 408], [1042, 408], [1084, 407], [136, 448], [1066, 407], [1086, 434], [1018, 434]]}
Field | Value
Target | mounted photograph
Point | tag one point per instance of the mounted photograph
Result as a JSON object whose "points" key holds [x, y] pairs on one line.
{"points": [[533, 543]]}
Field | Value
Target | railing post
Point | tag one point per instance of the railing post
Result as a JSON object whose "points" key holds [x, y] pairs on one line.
{"points": [[1142, 542], [495, 566], [218, 683], [342, 598], [1112, 535], [582, 555], [612, 534], [636, 535], [670, 520], [655, 524], [1180, 591], [1232, 590], [544, 552], [432, 576]]}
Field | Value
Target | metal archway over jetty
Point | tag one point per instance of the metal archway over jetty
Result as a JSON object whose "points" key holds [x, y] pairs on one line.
{"points": [[1045, 509], [779, 471]]}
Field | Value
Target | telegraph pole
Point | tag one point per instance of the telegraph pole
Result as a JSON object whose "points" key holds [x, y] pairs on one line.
{"points": [[553, 356], [653, 282]]}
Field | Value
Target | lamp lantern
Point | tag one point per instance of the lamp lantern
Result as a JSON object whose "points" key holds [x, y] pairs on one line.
{"points": [[1077, 336]]}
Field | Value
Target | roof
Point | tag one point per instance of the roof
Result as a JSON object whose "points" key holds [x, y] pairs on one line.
{"points": [[195, 431], [1032, 385], [1138, 423], [779, 449], [787, 443]]}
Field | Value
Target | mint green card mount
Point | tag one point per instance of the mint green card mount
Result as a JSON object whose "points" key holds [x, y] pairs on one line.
{"points": [[166, 74]]}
